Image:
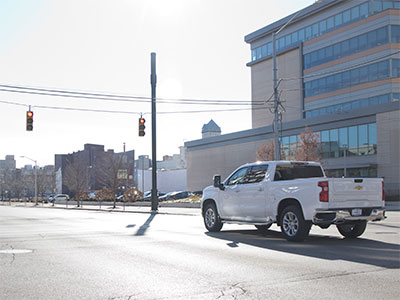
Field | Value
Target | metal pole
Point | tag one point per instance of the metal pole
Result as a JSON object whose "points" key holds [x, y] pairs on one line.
{"points": [[143, 177], [345, 161], [154, 198], [276, 131], [276, 100]]}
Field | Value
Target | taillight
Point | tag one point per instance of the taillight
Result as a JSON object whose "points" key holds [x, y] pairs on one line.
{"points": [[383, 190], [324, 194]]}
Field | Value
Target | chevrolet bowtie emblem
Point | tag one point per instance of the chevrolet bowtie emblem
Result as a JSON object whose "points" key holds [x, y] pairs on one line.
{"points": [[358, 187]]}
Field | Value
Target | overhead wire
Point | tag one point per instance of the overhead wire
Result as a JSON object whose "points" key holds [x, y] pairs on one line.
{"points": [[124, 112], [116, 97]]}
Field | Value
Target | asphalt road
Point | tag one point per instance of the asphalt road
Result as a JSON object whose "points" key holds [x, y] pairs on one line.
{"points": [[50, 253]]}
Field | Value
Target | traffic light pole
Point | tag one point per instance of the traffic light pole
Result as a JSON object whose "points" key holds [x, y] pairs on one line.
{"points": [[154, 194]]}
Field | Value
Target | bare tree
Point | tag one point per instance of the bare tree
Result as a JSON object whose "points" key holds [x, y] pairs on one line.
{"points": [[308, 147], [113, 172], [265, 152], [17, 185], [45, 182], [75, 176]]}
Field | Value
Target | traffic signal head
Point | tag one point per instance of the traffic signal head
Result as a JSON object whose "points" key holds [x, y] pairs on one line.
{"points": [[141, 126], [29, 120]]}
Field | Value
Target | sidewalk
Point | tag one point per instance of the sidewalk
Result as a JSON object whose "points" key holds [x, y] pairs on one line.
{"points": [[190, 209]]}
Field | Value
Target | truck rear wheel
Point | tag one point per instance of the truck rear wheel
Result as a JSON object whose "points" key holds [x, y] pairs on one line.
{"points": [[352, 231], [293, 225], [211, 218]]}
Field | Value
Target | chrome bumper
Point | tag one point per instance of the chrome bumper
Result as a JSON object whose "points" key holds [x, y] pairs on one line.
{"points": [[344, 215]]}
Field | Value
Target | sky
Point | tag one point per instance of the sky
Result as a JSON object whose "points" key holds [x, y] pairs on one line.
{"points": [[104, 47]]}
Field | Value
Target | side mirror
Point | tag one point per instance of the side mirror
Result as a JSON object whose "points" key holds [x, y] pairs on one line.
{"points": [[217, 182]]}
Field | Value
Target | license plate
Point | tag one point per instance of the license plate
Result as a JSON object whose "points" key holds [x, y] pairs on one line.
{"points": [[355, 212]]}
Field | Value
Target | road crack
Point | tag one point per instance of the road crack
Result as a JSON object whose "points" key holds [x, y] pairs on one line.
{"points": [[233, 291]]}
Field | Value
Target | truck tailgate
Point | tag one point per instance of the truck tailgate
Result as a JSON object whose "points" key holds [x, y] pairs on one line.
{"points": [[355, 192]]}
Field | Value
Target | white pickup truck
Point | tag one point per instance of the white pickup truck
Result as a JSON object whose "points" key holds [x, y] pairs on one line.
{"points": [[295, 195]]}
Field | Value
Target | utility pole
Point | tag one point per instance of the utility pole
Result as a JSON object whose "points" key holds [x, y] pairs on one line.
{"points": [[276, 101], [154, 194], [277, 147]]}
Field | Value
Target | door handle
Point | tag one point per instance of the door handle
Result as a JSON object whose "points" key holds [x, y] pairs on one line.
{"points": [[261, 188]]}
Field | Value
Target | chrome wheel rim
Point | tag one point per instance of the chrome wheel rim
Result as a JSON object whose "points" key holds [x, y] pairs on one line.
{"points": [[290, 223], [210, 217]]}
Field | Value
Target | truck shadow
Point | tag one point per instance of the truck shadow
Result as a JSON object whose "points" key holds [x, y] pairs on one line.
{"points": [[365, 251]]}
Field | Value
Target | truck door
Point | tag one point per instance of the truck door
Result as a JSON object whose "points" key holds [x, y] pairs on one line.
{"points": [[252, 196], [230, 208]]}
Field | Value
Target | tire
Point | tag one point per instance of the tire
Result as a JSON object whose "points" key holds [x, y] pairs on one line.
{"points": [[293, 225], [212, 220], [352, 231], [263, 228]]}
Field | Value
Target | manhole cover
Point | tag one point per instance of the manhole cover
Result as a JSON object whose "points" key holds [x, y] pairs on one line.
{"points": [[15, 251]]}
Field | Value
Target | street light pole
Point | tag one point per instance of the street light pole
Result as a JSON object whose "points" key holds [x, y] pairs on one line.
{"points": [[277, 149], [276, 105], [36, 189]]}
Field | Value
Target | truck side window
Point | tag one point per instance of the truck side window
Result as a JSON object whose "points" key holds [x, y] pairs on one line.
{"points": [[255, 174], [294, 171], [238, 176]]}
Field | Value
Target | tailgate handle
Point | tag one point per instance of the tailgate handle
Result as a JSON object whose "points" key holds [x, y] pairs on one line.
{"points": [[358, 180]]}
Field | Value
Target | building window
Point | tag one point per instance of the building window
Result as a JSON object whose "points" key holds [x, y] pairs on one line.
{"points": [[376, 71], [351, 46], [353, 172], [355, 140], [344, 18], [395, 33], [352, 105], [396, 68]]}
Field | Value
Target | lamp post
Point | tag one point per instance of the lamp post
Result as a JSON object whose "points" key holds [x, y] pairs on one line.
{"points": [[35, 161], [276, 101]]}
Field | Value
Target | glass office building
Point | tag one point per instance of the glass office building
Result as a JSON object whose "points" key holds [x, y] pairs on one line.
{"points": [[338, 68]]}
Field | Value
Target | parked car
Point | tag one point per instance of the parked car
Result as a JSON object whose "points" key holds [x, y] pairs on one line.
{"points": [[60, 197], [198, 193], [165, 197], [294, 195], [179, 195], [147, 195]]}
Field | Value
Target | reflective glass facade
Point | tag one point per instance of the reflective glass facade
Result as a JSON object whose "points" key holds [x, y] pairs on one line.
{"points": [[333, 143], [368, 73], [351, 46], [342, 19], [353, 172], [338, 108]]}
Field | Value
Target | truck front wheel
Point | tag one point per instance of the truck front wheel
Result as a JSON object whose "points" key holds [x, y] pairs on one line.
{"points": [[293, 225], [211, 218], [352, 231]]}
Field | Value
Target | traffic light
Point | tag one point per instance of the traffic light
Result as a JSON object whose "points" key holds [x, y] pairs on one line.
{"points": [[141, 126], [29, 120]]}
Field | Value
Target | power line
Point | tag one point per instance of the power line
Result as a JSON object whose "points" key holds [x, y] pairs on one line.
{"points": [[116, 97], [125, 112]]}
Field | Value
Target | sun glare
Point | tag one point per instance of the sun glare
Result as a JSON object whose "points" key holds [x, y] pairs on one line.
{"points": [[166, 8], [170, 88]]}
